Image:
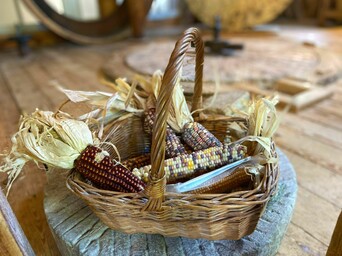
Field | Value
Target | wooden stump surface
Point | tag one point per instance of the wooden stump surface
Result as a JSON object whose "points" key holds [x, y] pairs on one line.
{"points": [[78, 231]]}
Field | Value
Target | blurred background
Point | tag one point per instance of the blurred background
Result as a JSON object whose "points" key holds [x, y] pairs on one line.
{"points": [[43, 19]]}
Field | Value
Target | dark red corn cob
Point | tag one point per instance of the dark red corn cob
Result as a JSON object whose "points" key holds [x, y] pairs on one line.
{"points": [[96, 165], [173, 146]]}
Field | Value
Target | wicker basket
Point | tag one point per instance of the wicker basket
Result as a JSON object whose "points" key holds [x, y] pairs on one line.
{"points": [[208, 216]]}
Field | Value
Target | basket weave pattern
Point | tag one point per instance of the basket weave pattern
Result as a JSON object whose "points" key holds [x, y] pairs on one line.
{"points": [[208, 216]]}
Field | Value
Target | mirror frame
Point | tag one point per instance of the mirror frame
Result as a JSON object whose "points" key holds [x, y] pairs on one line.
{"points": [[108, 29]]}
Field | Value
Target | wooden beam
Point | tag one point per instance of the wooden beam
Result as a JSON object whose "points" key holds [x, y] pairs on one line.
{"points": [[12, 239], [335, 246], [106, 7]]}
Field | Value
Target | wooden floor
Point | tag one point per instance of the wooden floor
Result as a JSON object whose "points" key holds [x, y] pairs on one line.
{"points": [[312, 139]]}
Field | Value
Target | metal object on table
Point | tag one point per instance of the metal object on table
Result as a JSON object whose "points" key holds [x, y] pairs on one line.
{"points": [[21, 38], [22, 41], [218, 46]]}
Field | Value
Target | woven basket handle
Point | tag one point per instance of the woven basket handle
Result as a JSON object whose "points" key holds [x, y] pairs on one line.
{"points": [[156, 187]]}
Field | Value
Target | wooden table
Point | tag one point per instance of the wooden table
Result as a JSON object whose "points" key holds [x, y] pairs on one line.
{"points": [[312, 139]]}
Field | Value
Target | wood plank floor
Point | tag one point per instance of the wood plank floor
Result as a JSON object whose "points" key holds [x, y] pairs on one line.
{"points": [[312, 139]]}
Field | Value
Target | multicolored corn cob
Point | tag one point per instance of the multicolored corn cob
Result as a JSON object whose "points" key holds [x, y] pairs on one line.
{"points": [[188, 165], [96, 165], [198, 137], [173, 145], [149, 120]]}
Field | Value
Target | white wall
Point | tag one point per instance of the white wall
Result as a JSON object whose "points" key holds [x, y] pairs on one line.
{"points": [[9, 17], [82, 9], [79, 9]]}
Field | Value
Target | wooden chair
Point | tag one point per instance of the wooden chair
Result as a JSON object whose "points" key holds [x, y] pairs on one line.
{"points": [[335, 246], [329, 12], [12, 238]]}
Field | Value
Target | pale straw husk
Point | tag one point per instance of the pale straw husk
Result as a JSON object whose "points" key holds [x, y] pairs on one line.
{"points": [[54, 139], [135, 98]]}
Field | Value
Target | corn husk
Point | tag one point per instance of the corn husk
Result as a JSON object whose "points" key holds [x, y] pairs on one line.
{"points": [[263, 119], [108, 107], [179, 112], [56, 140], [150, 88], [135, 98], [263, 123], [105, 104]]}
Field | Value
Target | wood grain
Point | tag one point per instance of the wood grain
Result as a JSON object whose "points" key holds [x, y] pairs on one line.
{"points": [[309, 213], [318, 180], [318, 131], [25, 90], [309, 148], [299, 242]]}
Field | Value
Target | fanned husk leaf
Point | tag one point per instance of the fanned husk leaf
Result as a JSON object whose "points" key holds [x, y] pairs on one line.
{"points": [[96, 98], [264, 146], [263, 122], [137, 98], [179, 111], [102, 100], [45, 137], [263, 118], [107, 107]]}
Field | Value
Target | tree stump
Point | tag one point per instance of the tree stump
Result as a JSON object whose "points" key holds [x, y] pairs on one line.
{"points": [[78, 231]]}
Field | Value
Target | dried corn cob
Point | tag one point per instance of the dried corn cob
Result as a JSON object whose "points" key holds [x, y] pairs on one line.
{"points": [[137, 162], [96, 165], [238, 179], [173, 145], [198, 137], [188, 165], [149, 120]]}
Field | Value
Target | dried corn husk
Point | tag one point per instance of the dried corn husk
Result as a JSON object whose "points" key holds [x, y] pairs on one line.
{"points": [[179, 111], [106, 105], [44, 137], [135, 98], [263, 119], [150, 88], [263, 123]]}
